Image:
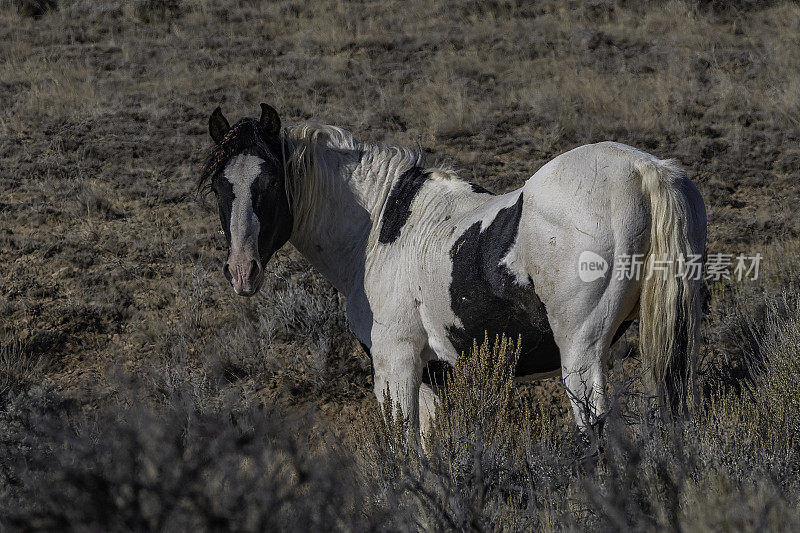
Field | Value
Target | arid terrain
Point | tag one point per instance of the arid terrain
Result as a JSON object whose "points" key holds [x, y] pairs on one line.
{"points": [[138, 392]]}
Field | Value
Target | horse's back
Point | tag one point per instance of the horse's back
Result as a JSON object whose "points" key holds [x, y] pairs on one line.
{"points": [[590, 191], [590, 171]]}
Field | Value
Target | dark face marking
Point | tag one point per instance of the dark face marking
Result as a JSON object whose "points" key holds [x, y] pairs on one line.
{"points": [[398, 206], [271, 207], [480, 190], [267, 191], [223, 191], [486, 298]]}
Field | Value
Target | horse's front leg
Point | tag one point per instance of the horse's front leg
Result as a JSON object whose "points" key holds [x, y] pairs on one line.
{"points": [[428, 398], [398, 369]]}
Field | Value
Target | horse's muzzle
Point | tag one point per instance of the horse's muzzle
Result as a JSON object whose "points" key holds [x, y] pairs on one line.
{"points": [[245, 276]]}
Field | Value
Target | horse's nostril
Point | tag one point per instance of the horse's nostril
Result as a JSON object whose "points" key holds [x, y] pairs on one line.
{"points": [[254, 268]]}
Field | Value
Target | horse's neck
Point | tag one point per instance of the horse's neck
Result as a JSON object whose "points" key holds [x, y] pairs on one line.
{"points": [[337, 247], [332, 229]]}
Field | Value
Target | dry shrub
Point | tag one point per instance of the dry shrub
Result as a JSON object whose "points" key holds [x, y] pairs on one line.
{"points": [[779, 383], [35, 8], [185, 467], [156, 11], [292, 331], [384, 441], [490, 464], [468, 474], [477, 400], [747, 320], [765, 407]]}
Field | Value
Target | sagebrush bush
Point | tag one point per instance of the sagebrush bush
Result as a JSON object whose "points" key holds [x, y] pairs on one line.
{"points": [[478, 396], [733, 465], [767, 407], [469, 473], [779, 383], [294, 330], [132, 468], [291, 331]]}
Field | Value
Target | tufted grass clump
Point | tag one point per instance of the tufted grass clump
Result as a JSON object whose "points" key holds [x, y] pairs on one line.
{"points": [[158, 11], [20, 364], [765, 408], [780, 383]]}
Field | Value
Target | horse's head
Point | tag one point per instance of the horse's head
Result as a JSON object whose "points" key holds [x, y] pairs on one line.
{"points": [[246, 172]]}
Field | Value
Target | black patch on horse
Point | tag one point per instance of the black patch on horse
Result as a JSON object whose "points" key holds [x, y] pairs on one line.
{"points": [[621, 331], [480, 190], [369, 354], [436, 373], [486, 298], [398, 206], [366, 349], [271, 207]]}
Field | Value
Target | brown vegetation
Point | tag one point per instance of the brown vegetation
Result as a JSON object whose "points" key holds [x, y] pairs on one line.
{"points": [[123, 352]]}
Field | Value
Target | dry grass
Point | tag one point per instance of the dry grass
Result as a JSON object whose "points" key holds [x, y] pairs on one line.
{"points": [[733, 465], [112, 304]]}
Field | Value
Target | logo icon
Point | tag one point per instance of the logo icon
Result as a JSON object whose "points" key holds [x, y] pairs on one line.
{"points": [[591, 266]]}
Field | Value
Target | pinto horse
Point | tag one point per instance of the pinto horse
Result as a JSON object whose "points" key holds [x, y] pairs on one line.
{"points": [[429, 262]]}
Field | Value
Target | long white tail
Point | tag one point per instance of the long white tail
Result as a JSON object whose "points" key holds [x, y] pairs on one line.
{"points": [[671, 299]]}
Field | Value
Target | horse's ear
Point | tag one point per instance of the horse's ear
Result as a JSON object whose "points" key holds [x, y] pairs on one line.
{"points": [[270, 120], [218, 125]]}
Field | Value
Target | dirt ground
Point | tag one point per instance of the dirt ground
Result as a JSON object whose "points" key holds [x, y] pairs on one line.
{"points": [[110, 261]]}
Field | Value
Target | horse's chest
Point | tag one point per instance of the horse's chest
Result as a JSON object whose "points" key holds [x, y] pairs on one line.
{"points": [[487, 298]]}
